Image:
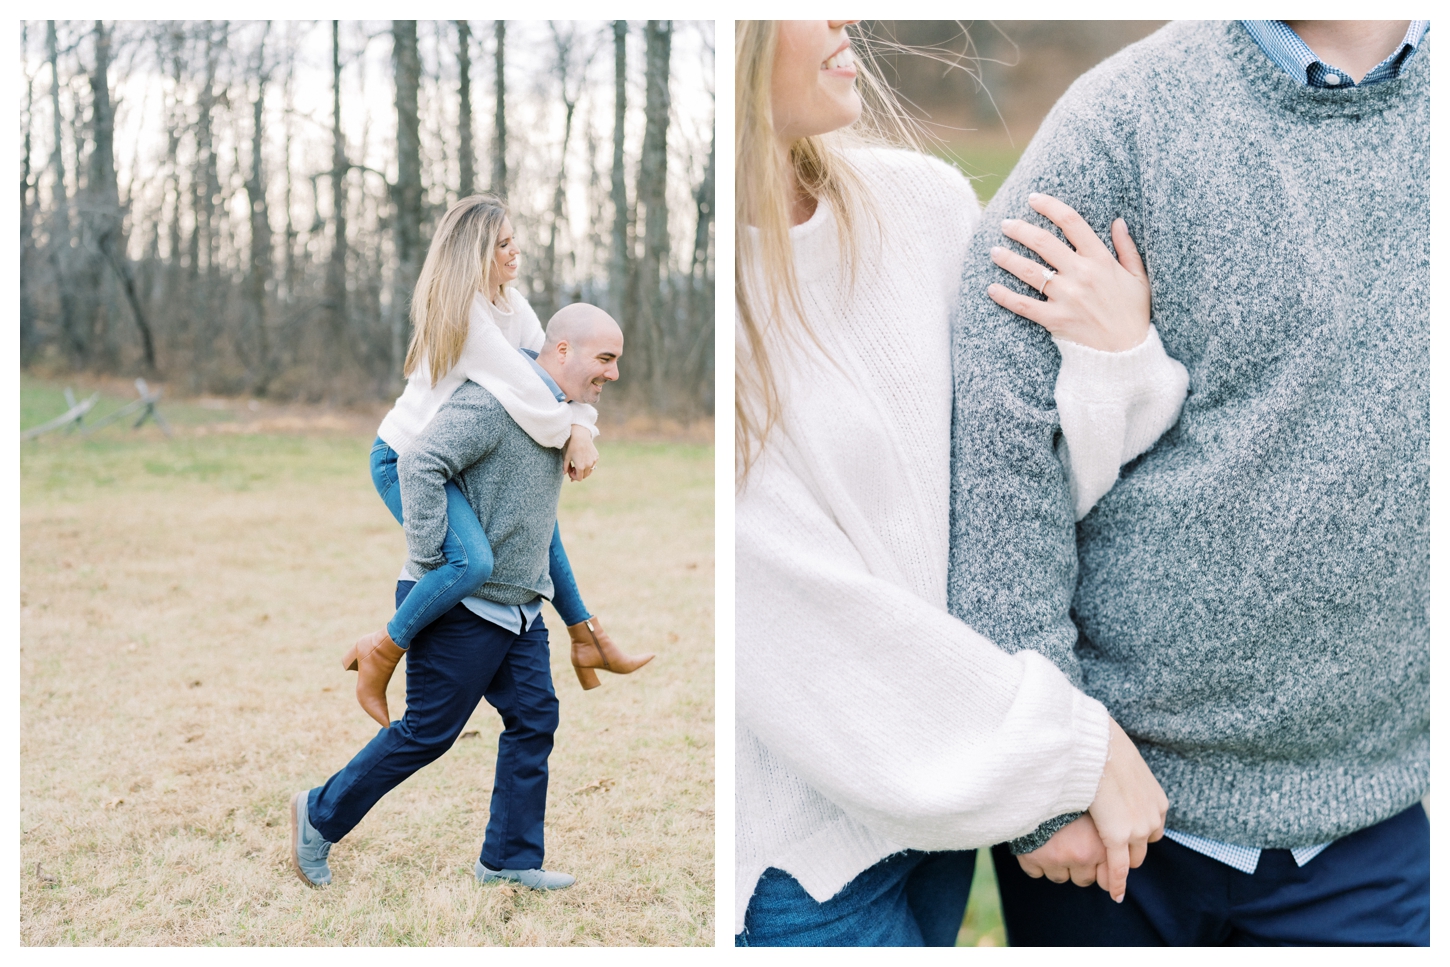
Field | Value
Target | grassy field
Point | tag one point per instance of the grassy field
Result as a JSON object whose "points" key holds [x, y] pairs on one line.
{"points": [[987, 165], [184, 606]]}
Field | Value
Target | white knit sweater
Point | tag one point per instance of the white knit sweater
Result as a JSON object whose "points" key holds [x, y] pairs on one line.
{"points": [[490, 358], [868, 719]]}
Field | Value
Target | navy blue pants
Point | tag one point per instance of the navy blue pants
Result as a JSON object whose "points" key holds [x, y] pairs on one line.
{"points": [[453, 663], [1371, 887], [912, 899]]}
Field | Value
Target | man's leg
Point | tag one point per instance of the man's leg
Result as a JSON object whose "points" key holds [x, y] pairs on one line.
{"points": [[1369, 888], [1176, 898], [937, 892], [449, 664], [523, 693]]}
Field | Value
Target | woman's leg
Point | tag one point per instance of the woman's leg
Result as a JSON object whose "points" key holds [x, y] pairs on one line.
{"points": [[468, 562], [468, 558], [566, 590], [873, 910], [590, 645]]}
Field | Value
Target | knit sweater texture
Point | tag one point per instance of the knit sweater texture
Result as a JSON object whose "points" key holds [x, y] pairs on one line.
{"points": [[490, 359], [1250, 601], [868, 720], [510, 480]]}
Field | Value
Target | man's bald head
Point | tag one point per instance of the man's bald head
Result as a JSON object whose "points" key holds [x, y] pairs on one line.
{"points": [[577, 322], [581, 347]]}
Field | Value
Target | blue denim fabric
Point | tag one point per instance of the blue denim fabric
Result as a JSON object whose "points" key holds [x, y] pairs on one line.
{"points": [[455, 661], [468, 559], [566, 592], [1371, 887], [911, 899]]}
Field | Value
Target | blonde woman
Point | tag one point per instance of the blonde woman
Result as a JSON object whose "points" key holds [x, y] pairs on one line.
{"points": [[879, 738], [471, 323]]}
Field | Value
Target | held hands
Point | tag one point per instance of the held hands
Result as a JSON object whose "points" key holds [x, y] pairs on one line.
{"points": [[1102, 846], [1092, 299], [580, 456]]}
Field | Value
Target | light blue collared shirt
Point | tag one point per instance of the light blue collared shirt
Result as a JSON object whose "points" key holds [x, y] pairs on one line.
{"points": [[1285, 48]]}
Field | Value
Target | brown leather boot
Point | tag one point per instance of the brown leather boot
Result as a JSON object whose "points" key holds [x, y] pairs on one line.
{"points": [[373, 657], [591, 648]]}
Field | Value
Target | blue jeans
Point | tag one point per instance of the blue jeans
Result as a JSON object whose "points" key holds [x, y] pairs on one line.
{"points": [[1368, 888], [912, 899], [455, 661], [468, 559]]}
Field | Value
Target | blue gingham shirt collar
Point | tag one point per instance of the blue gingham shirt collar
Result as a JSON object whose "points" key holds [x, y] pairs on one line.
{"points": [[1284, 47]]}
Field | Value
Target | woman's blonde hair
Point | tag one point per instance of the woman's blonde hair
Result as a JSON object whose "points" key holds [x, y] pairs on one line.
{"points": [[460, 264], [766, 290]]}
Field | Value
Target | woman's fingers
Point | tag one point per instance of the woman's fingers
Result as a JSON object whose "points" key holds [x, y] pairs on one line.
{"points": [[1137, 852], [1073, 225], [1083, 875], [1024, 306], [1052, 249], [1115, 871], [1033, 273], [1128, 256]]}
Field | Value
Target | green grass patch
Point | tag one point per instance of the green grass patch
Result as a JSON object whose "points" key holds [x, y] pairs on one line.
{"points": [[982, 926], [986, 165]]}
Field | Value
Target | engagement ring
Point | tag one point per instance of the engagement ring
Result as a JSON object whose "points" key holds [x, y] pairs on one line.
{"points": [[1047, 275]]}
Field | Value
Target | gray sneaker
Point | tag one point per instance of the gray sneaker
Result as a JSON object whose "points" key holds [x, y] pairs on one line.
{"points": [[533, 879], [309, 849]]}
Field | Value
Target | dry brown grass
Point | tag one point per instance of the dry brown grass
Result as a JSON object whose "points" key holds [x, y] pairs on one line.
{"points": [[184, 605]]}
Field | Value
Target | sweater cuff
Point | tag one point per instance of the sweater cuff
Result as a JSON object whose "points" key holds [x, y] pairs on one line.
{"points": [[1038, 837], [1093, 375]]}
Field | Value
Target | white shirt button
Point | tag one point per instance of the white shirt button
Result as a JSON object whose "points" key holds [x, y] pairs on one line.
{"points": [[1331, 79]]}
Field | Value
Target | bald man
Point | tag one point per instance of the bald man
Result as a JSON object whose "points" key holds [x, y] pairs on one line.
{"points": [[494, 645]]}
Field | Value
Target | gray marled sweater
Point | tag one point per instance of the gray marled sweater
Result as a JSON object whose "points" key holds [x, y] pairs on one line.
{"points": [[511, 481], [1251, 600]]}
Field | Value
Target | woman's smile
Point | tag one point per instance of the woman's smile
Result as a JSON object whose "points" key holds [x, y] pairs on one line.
{"points": [[842, 63]]}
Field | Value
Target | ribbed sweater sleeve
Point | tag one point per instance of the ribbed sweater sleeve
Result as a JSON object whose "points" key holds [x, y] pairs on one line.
{"points": [[1013, 566], [908, 720], [492, 363], [1112, 407], [1013, 562]]}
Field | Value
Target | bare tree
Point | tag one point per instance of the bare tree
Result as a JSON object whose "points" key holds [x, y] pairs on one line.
{"points": [[570, 70], [619, 252], [465, 112], [500, 126], [408, 190], [651, 194], [336, 288], [259, 273], [27, 307], [60, 220]]}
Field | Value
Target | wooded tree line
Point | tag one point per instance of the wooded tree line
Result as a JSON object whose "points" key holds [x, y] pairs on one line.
{"points": [[245, 207]]}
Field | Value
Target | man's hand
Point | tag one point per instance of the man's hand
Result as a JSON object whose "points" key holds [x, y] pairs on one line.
{"points": [[1128, 812], [1075, 852], [580, 456]]}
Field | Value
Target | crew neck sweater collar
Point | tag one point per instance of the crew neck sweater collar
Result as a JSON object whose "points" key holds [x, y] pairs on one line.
{"points": [[1267, 81]]}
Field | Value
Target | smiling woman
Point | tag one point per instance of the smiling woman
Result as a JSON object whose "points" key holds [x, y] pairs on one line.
{"points": [[879, 738]]}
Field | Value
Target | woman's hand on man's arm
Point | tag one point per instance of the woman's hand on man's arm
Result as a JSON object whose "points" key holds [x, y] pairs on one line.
{"points": [[1093, 299], [1127, 814]]}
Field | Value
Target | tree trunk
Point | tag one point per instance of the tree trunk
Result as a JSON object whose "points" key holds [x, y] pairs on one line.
{"points": [[563, 50], [654, 261], [698, 360], [619, 251], [104, 218], [60, 218], [27, 307], [500, 127], [259, 272], [465, 112], [335, 290], [408, 192]]}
